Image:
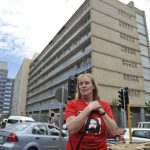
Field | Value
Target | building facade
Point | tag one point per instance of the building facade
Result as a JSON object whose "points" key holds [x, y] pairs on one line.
{"points": [[6, 90], [20, 89], [101, 38]]}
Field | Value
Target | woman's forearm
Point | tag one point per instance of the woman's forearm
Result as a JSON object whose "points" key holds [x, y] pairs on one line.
{"points": [[110, 125], [75, 123]]}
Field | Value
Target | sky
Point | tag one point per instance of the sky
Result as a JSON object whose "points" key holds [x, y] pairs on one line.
{"points": [[27, 26]]}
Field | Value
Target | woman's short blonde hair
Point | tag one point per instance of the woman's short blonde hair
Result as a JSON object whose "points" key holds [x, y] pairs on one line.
{"points": [[95, 90]]}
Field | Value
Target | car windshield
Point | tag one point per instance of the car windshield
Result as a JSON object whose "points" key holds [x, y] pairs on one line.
{"points": [[17, 126]]}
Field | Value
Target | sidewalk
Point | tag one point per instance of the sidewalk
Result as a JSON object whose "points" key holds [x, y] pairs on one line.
{"points": [[133, 146]]}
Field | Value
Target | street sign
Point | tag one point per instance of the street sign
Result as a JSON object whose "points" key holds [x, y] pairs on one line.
{"points": [[61, 93]]}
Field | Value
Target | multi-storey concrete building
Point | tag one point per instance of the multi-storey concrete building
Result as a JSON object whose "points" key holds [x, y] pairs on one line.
{"points": [[7, 104], [20, 89], [102, 37], [6, 90]]}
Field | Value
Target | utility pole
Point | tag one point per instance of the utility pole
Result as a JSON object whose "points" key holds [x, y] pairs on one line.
{"points": [[61, 95], [129, 123]]}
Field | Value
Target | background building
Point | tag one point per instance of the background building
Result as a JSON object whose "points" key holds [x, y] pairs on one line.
{"points": [[20, 88], [103, 37], [6, 90]]}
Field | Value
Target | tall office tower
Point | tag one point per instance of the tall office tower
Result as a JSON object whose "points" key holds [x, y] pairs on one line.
{"points": [[101, 38], [6, 90], [3, 81], [8, 97]]}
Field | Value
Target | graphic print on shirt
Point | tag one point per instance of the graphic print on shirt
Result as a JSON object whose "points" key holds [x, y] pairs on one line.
{"points": [[93, 126]]}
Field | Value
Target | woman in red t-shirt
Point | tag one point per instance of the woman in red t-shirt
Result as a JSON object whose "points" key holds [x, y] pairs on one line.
{"points": [[88, 118]]}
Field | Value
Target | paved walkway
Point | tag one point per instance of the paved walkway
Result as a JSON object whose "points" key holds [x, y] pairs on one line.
{"points": [[133, 146]]}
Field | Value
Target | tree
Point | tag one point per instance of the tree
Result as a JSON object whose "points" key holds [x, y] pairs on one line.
{"points": [[114, 104], [148, 107]]}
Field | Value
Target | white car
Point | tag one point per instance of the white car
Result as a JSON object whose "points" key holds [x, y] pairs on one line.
{"points": [[144, 125], [16, 119], [138, 134]]}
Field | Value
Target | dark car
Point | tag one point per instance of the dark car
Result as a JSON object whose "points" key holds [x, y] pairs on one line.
{"points": [[32, 136]]}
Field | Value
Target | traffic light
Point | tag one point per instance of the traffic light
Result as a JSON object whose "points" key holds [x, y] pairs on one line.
{"points": [[72, 81], [121, 98], [126, 96]]}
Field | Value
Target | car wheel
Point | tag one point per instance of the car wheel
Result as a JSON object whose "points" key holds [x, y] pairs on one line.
{"points": [[117, 138], [32, 148]]}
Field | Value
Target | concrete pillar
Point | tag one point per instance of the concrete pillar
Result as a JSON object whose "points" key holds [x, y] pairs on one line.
{"points": [[142, 114], [123, 119]]}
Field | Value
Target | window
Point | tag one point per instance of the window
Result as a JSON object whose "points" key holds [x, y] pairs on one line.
{"points": [[53, 130], [145, 61], [142, 39], [139, 19], [40, 129], [141, 29], [141, 134]]}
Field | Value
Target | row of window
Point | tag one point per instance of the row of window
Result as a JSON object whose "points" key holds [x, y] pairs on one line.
{"points": [[2, 90], [134, 93], [3, 74], [84, 64], [128, 50], [124, 13], [131, 78], [127, 37], [85, 50], [72, 46], [2, 82], [129, 63], [2, 86], [6, 103], [125, 25]]}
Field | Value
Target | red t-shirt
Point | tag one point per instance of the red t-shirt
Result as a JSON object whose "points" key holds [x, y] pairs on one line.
{"points": [[95, 138]]}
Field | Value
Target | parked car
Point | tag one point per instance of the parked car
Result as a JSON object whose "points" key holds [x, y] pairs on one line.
{"points": [[15, 119], [144, 125], [138, 134], [118, 137], [32, 136]]}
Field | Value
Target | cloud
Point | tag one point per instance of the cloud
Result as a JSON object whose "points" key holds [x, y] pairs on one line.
{"points": [[10, 45], [28, 26]]}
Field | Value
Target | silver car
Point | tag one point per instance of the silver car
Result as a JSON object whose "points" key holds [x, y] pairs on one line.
{"points": [[32, 136]]}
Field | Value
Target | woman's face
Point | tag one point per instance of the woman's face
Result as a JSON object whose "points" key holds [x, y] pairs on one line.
{"points": [[86, 86]]}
